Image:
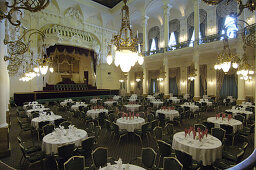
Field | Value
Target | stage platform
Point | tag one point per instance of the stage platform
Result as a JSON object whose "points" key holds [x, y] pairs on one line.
{"points": [[20, 98]]}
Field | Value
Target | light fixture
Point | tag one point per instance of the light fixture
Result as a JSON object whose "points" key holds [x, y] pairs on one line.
{"points": [[226, 59], [161, 75], [122, 78], [18, 5], [192, 72], [245, 70], [126, 54], [138, 79], [109, 57], [250, 4]]}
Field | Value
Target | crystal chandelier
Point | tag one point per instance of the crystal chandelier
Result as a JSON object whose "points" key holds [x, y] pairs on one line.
{"points": [[245, 70], [250, 4], [126, 54], [226, 58], [192, 73]]}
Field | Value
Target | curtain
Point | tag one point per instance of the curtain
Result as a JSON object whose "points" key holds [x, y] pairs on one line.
{"points": [[190, 33], [191, 88], [219, 82], [221, 23], [156, 40], [202, 29], [178, 78], [203, 77], [177, 35], [201, 87], [149, 44], [173, 88], [229, 86], [151, 86]]}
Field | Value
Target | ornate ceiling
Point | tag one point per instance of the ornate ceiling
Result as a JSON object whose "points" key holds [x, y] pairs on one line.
{"points": [[108, 3]]}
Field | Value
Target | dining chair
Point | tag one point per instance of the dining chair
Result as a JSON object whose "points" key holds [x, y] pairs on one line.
{"points": [[64, 153], [187, 161], [219, 133], [75, 163], [57, 122], [164, 150], [100, 157], [49, 128], [86, 147], [201, 126], [65, 124], [229, 135], [119, 132], [172, 163]]}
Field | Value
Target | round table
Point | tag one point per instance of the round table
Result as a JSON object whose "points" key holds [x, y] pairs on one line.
{"points": [[174, 100], [207, 103], [192, 107], [168, 113], [157, 103], [131, 167], [94, 113], [236, 111], [151, 98], [130, 125], [207, 151], [40, 110], [43, 118], [132, 107], [109, 103], [236, 124], [94, 100], [76, 106], [51, 142], [116, 97], [132, 99]]}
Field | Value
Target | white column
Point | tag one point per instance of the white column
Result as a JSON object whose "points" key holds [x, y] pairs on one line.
{"points": [[196, 54], [166, 8], [145, 34], [128, 90], [3, 74], [166, 81], [145, 79], [255, 91]]}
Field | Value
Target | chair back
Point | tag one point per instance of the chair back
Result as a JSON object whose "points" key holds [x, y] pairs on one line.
{"points": [[49, 128], [209, 125], [74, 163], [57, 122], [184, 158], [145, 127], [42, 124], [115, 128], [34, 115], [165, 149], [201, 126], [154, 124], [172, 163], [227, 128], [240, 117], [150, 117], [65, 124], [148, 157], [111, 117], [158, 133], [100, 157], [66, 151], [169, 129], [161, 116], [88, 143], [219, 133]]}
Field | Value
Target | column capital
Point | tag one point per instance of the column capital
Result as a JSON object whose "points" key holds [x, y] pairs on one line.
{"points": [[166, 8]]}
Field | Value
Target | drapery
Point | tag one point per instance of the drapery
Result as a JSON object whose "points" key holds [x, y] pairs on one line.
{"points": [[173, 88], [221, 22], [152, 83], [191, 88], [149, 44], [188, 81], [177, 35], [203, 76], [219, 82], [174, 26], [156, 40], [175, 73], [154, 32], [202, 29], [190, 33], [229, 86]]}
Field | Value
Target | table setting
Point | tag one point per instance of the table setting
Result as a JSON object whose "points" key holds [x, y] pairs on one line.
{"points": [[199, 144], [157, 102], [94, 100], [236, 110], [169, 112], [66, 101], [94, 112], [132, 106], [218, 120], [120, 166], [174, 99], [208, 103], [191, 105], [44, 117], [40, 110], [116, 97], [30, 104], [130, 122], [110, 102], [61, 136], [75, 107]]}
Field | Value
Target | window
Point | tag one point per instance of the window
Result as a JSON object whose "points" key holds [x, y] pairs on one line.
{"points": [[153, 45], [191, 44], [154, 86], [172, 40], [230, 24]]}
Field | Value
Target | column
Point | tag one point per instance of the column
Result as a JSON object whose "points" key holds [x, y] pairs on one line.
{"points": [[166, 8], [145, 33], [166, 81], [255, 90], [145, 79], [128, 90], [240, 83], [196, 53]]}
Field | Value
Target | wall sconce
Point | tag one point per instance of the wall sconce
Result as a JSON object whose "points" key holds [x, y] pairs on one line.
{"points": [[161, 83], [250, 20], [211, 30], [183, 38], [183, 83], [132, 83], [161, 44]]}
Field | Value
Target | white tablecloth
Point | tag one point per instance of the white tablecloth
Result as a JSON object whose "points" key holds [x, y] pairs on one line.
{"points": [[32, 104], [130, 125], [207, 103], [51, 142], [207, 151], [132, 107], [193, 108], [76, 106], [94, 113], [247, 105], [174, 99], [109, 103], [116, 97], [150, 97], [64, 103], [168, 113], [157, 103], [236, 124], [131, 167], [132, 100], [40, 110], [43, 118], [236, 111], [94, 100]]}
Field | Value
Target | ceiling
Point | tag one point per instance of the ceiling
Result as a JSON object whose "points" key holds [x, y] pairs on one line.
{"points": [[108, 3]]}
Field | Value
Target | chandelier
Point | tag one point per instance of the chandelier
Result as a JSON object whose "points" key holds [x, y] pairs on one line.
{"points": [[161, 75], [245, 70], [19, 5], [226, 58], [126, 53], [250, 4], [192, 73], [109, 57]]}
